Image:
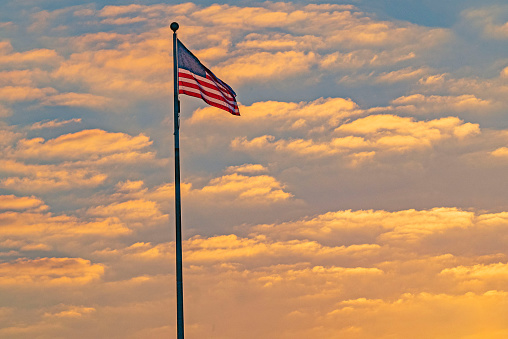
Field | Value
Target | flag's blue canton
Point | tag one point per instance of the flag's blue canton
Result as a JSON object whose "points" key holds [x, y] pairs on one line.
{"points": [[188, 61]]}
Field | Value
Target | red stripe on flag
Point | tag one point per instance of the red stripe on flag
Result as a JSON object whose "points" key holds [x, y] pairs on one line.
{"points": [[217, 99], [207, 82], [210, 91], [231, 110], [218, 103], [197, 86]]}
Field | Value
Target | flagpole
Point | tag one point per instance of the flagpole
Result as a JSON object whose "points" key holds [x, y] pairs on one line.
{"points": [[178, 207]]}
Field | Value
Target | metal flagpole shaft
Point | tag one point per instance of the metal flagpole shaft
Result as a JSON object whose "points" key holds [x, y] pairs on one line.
{"points": [[178, 208]]}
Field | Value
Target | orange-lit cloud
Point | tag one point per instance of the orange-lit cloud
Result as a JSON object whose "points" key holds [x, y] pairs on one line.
{"points": [[479, 278], [280, 42], [362, 58], [50, 271], [137, 213], [130, 186], [259, 189], [36, 225], [8, 57], [253, 189], [266, 66], [500, 152], [24, 93], [247, 168], [82, 144], [403, 133], [363, 136], [24, 177], [70, 312], [406, 225], [11, 202], [136, 67], [290, 114], [77, 100], [243, 184], [421, 104], [53, 123]]}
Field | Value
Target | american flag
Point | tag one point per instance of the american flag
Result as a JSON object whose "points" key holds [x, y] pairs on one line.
{"points": [[196, 80]]}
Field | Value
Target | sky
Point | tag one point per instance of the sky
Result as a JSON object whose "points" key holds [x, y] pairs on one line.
{"points": [[361, 194]]}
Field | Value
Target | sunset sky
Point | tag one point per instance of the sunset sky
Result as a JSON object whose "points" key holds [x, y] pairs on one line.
{"points": [[361, 194]]}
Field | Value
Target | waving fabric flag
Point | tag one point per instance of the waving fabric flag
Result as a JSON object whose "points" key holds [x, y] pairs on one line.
{"points": [[196, 80]]}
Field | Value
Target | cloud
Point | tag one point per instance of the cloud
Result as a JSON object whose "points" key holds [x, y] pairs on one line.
{"points": [[247, 168], [113, 11], [243, 189], [406, 74], [365, 137], [24, 93], [111, 72], [280, 42], [123, 21], [402, 133], [21, 85], [286, 115], [134, 213], [344, 25], [26, 177], [501, 152], [480, 277], [130, 186], [348, 227], [8, 135], [37, 225], [82, 144], [54, 123], [72, 160], [111, 63], [488, 20], [23, 77], [11, 202], [235, 17], [77, 100], [97, 41], [266, 66], [65, 311], [300, 147], [135, 66], [260, 249], [365, 58], [50, 271], [260, 189], [445, 312], [9, 58], [150, 11], [242, 184], [421, 104]]}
